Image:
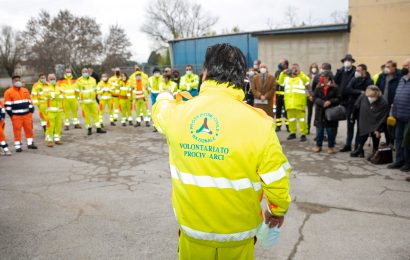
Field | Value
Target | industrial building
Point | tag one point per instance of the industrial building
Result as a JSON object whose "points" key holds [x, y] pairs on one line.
{"points": [[373, 34]]}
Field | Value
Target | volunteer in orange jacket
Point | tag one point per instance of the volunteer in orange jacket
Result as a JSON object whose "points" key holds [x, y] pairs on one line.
{"points": [[20, 108]]}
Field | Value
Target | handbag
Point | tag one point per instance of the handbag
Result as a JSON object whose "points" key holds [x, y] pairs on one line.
{"points": [[383, 155], [336, 113]]}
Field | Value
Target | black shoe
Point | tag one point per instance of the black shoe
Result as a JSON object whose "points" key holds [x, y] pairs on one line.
{"points": [[66, 128], [291, 137], [303, 138], [130, 122], [359, 152], [287, 128], [124, 124], [102, 125], [112, 123], [137, 124], [277, 129], [90, 131], [44, 128], [32, 146], [405, 168], [314, 139], [147, 124], [346, 148], [395, 165], [155, 130], [19, 150], [101, 131]]}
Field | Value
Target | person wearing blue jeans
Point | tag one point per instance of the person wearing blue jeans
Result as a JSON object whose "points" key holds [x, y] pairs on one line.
{"points": [[326, 95], [401, 111]]}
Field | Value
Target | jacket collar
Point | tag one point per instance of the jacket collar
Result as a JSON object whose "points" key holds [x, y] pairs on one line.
{"points": [[209, 86]]}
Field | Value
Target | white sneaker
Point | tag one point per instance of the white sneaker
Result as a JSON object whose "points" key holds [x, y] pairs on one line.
{"points": [[6, 153]]}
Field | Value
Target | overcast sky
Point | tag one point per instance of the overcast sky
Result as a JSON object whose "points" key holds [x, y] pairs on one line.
{"points": [[248, 15]]}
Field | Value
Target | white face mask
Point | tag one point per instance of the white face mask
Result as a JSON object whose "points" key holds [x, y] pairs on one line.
{"points": [[347, 64], [255, 66], [386, 70], [371, 99], [156, 74], [138, 77], [124, 79], [18, 84], [188, 72], [85, 75], [68, 75], [251, 73], [53, 82], [314, 70], [43, 81], [105, 79], [357, 74], [263, 70]]}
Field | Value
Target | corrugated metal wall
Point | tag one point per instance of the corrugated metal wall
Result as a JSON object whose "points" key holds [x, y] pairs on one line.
{"points": [[192, 51]]}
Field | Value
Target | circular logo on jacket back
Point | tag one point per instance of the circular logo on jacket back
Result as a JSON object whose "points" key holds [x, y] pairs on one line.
{"points": [[204, 127]]}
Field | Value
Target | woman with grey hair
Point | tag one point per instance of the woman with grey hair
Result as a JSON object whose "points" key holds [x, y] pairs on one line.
{"points": [[371, 111]]}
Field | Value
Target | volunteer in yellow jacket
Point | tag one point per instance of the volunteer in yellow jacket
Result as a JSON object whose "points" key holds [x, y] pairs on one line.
{"points": [[168, 85], [189, 82], [218, 177], [125, 95], [104, 90], [86, 87], [295, 82], [37, 95], [54, 96], [70, 104], [115, 82]]}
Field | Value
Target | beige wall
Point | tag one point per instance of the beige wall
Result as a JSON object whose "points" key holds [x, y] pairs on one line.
{"points": [[380, 31], [304, 49]]}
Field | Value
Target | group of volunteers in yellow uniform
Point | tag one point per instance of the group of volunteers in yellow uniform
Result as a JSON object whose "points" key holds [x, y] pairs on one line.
{"points": [[118, 96]]}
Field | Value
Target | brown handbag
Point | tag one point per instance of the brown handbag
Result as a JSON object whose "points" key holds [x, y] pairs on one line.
{"points": [[383, 155]]}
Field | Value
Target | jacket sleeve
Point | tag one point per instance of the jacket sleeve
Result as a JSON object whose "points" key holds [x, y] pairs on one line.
{"points": [[256, 93], [269, 94], [281, 79], [274, 170], [318, 101], [305, 79], [7, 103], [335, 100], [349, 90], [162, 111]]}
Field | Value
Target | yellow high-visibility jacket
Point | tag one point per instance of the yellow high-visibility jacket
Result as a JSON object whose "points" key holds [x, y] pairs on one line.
{"points": [[139, 87], [170, 86], [189, 81], [54, 96], [218, 176], [153, 84], [295, 90], [37, 93], [104, 89], [68, 86], [86, 88], [115, 82]]}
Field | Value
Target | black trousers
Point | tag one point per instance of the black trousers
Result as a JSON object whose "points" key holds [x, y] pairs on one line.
{"points": [[309, 112], [375, 141], [280, 110]]}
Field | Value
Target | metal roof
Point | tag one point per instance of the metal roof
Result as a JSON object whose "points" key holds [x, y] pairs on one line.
{"points": [[341, 27]]}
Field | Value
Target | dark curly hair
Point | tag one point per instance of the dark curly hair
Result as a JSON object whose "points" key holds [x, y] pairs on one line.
{"points": [[225, 63]]}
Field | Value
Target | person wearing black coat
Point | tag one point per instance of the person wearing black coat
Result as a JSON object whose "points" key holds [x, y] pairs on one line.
{"points": [[344, 75], [371, 110], [354, 89], [326, 95], [387, 83]]}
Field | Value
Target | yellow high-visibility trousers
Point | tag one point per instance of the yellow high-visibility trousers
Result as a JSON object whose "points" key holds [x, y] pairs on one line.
{"points": [[54, 125], [115, 107], [90, 110], [70, 109], [294, 116], [106, 103], [191, 249], [125, 108], [42, 111]]}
